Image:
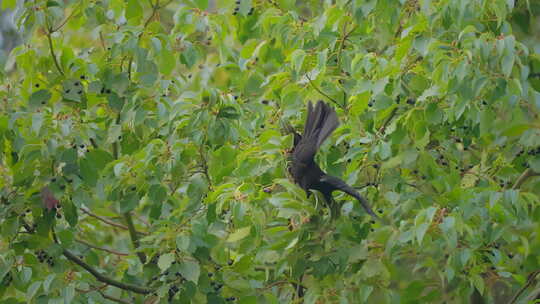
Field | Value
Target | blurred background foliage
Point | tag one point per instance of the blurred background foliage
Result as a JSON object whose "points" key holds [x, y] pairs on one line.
{"points": [[143, 158]]}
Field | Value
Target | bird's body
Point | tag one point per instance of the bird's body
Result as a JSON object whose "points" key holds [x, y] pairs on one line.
{"points": [[321, 121]]}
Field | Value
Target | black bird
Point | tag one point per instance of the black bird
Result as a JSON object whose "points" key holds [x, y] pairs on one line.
{"points": [[321, 121]]}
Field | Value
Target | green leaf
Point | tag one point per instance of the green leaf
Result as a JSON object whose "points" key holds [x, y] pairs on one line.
{"points": [[297, 59], [8, 4], [165, 261], [201, 4], [190, 270], [39, 98], [32, 290], [239, 234], [133, 9]]}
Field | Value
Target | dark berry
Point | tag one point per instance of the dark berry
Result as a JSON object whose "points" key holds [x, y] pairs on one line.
{"points": [[415, 172], [43, 102], [58, 216], [370, 104], [79, 92], [108, 91], [133, 188], [81, 146], [77, 83], [510, 255], [53, 179], [380, 211], [102, 90], [262, 126], [235, 97], [62, 187], [376, 166], [265, 102], [28, 210], [372, 230], [37, 85], [210, 274], [83, 77], [230, 262], [67, 91]]}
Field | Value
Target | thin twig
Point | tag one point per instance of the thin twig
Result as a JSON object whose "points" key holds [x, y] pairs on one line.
{"points": [[51, 47], [385, 124], [155, 8], [530, 280], [205, 166], [66, 20], [524, 176], [103, 219], [104, 295], [321, 92], [101, 248]]}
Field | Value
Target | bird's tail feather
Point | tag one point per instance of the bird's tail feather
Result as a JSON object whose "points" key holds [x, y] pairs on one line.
{"points": [[321, 121], [338, 184]]}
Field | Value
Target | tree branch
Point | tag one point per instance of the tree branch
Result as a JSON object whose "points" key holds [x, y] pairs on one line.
{"points": [[133, 236], [104, 279]]}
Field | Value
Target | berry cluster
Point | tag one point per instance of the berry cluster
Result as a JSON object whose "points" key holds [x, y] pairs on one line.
{"points": [[237, 7], [44, 257], [172, 291]]}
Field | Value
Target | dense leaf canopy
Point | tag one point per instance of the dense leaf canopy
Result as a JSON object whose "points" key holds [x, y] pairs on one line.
{"points": [[144, 159]]}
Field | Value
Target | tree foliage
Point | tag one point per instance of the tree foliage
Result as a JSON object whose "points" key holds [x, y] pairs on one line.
{"points": [[144, 159]]}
